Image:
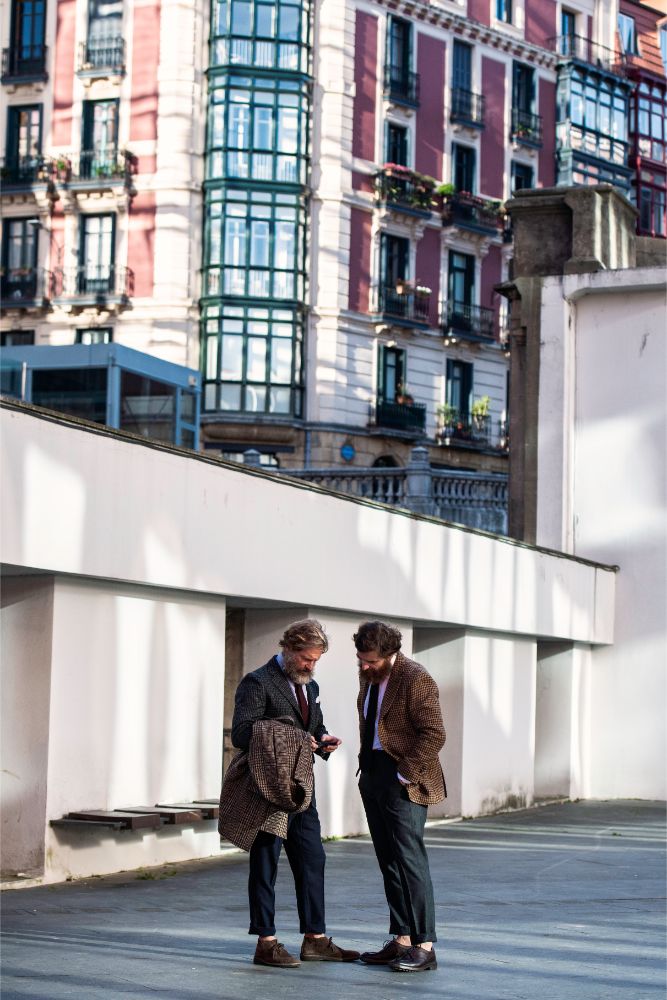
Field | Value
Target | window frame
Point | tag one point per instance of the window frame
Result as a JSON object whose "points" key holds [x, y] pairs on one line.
{"points": [[391, 372]]}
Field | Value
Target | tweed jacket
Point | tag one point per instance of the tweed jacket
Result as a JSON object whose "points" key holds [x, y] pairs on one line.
{"points": [[266, 694], [410, 728], [263, 784]]}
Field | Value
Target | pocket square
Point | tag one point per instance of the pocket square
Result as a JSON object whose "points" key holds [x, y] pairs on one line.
{"points": [[317, 700]]}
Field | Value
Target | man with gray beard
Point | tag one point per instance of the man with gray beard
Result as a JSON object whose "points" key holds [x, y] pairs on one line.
{"points": [[284, 689]]}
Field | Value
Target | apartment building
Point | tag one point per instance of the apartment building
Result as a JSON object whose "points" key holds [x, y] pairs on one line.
{"points": [[305, 201]]}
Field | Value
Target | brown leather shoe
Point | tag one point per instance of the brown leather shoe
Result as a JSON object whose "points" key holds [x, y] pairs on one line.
{"points": [[275, 954], [392, 949], [322, 949], [417, 960]]}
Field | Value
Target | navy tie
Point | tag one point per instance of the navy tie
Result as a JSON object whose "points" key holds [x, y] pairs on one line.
{"points": [[369, 729]]}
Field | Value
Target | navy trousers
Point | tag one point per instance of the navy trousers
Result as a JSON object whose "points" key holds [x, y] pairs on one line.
{"points": [[397, 829], [305, 854]]}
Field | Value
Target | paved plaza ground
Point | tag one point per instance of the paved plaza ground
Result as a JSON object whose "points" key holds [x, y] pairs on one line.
{"points": [[553, 903]]}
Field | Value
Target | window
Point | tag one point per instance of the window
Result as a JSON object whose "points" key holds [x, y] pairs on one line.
{"points": [[522, 176], [27, 53], [504, 11], [104, 21], [267, 459], [258, 128], [391, 373], [650, 121], [662, 34], [266, 34], [400, 81], [19, 259], [568, 30], [599, 126], [462, 66], [99, 140], [96, 262], [395, 254], [459, 387], [253, 359], [79, 391], [652, 204], [24, 142], [396, 145], [523, 88], [626, 31], [256, 245], [17, 338], [94, 335], [463, 171], [461, 280]]}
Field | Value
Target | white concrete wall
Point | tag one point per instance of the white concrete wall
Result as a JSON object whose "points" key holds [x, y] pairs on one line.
{"points": [[150, 544], [602, 495], [25, 637], [137, 679]]}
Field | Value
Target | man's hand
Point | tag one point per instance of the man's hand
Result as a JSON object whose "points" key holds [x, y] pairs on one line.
{"points": [[328, 743]]}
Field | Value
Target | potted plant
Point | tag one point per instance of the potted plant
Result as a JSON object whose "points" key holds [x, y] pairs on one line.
{"points": [[403, 395], [480, 412], [403, 286]]}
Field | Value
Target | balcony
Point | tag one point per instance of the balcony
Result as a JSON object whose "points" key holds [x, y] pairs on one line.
{"points": [[94, 168], [404, 189], [25, 288], [401, 88], [467, 108], [24, 64], [468, 322], [401, 416], [458, 429], [93, 285], [405, 302], [580, 49], [526, 128], [466, 211], [102, 57]]}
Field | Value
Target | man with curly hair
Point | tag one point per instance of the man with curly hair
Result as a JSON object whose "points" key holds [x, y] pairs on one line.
{"points": [[402, 733]]}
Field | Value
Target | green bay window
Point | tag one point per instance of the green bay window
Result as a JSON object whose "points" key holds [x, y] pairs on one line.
{"points": [[253, 359], [262, 34], [255, 245], [258, 130]]}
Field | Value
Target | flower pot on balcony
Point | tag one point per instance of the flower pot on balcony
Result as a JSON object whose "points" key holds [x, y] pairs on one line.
{"points": [[403, 287]]}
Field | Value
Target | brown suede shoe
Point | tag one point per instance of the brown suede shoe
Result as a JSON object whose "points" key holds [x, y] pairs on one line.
{"points": [[417, 960], [322, 949], [392, 949], [276, 954]]}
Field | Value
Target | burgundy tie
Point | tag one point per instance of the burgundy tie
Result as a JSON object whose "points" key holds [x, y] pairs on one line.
{"points": [[303, 703]]}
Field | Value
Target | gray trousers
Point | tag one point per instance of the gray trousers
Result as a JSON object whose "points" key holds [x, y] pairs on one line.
{"points": [[397, 829]]}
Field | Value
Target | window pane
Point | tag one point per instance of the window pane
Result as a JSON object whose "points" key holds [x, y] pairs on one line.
{"points": [[256, 359], [281, 361], [232, 357]]}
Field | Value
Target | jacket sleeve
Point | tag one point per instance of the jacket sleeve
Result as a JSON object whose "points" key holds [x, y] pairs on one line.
{"points": [[319, 729], [249, 706], [425, 717]]}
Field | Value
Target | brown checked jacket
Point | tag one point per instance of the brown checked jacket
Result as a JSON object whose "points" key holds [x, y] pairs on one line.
{"points": [[410, 728]]}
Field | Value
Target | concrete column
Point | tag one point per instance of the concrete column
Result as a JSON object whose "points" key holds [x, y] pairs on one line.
{"points": [[418, 487], [562, 721]]}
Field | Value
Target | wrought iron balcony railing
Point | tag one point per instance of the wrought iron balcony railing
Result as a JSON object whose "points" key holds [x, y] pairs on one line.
{"points": [[400, 186], [467, 107], [461, 428], [526, 128], [24, 63], [97, 167], [400, 416], [102, 53], [584, 50], [93, 281], [405, 302], [470, 212], [25, 286], [468, 321], [401, 87], [24, 171]]}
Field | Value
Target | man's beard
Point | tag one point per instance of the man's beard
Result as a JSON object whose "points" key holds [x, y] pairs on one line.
{"points": [[376, 674], [291, 669]]}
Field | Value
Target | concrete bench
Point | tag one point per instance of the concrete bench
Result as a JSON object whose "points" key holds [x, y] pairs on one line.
{"points": [[140, 817]]}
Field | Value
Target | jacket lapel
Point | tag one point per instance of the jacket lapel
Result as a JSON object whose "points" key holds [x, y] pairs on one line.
{"points": [[393, 685], [281, 684]]}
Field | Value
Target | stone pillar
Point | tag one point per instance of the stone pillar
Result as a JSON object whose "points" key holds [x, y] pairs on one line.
{"points": [[418, 486], [562, 724]]}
